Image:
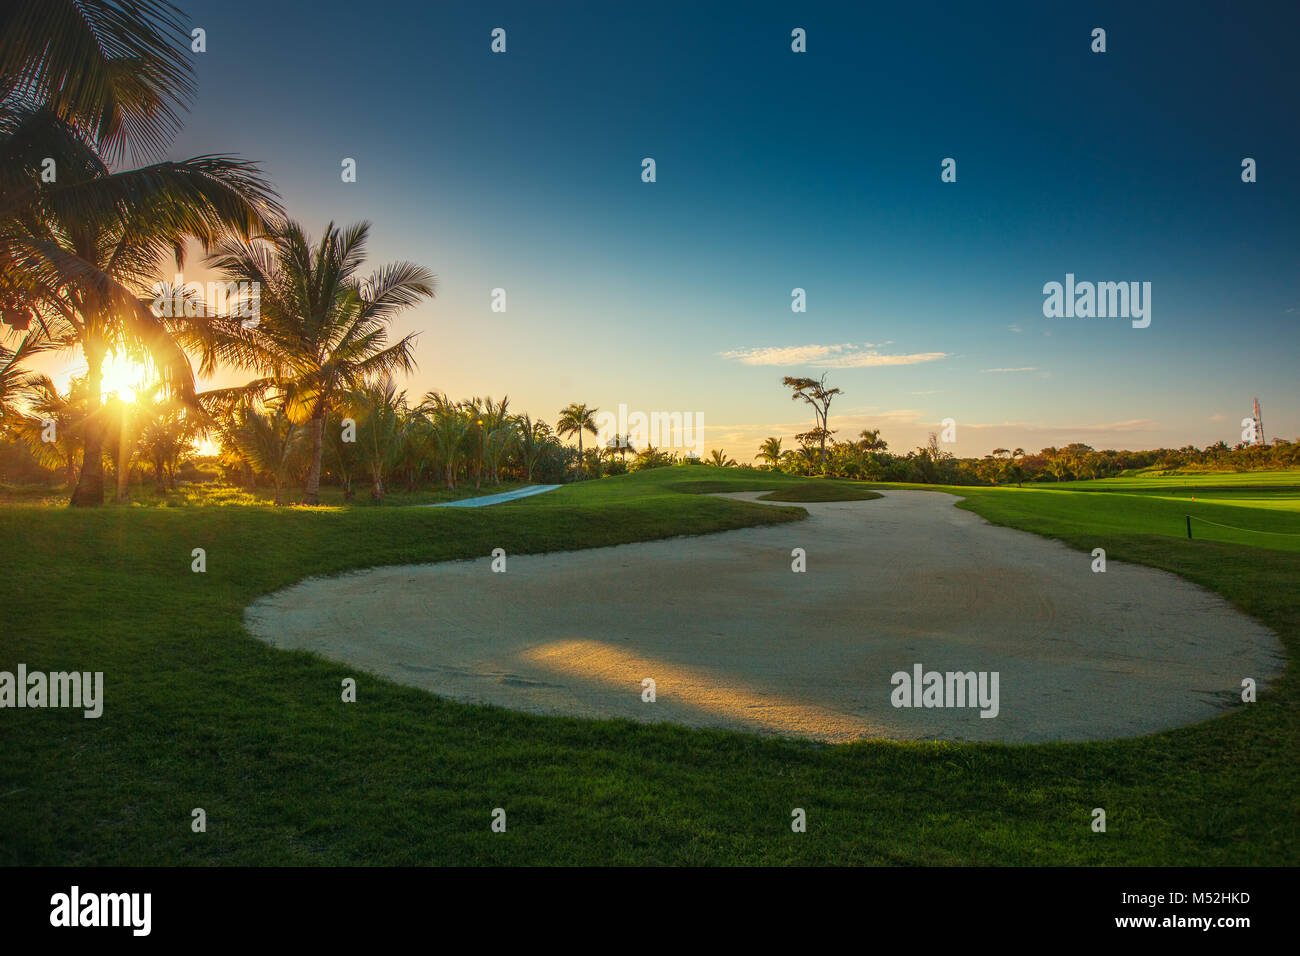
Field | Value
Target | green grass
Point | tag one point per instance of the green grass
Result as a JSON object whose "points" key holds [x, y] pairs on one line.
{"points": [[199, 714], [191, 495], [1186, 481], [822, 491]]}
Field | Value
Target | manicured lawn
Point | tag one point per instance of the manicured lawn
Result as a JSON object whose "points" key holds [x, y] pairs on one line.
{"points": [[823, 491], [207, 495], [198, 714]]}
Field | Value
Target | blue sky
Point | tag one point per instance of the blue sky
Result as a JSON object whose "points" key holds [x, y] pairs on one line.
{"points": [[819, 170]]}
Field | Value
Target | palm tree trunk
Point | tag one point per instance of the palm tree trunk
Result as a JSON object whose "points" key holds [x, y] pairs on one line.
{"points": [[90, 485], [122, 472], [311, 494]]}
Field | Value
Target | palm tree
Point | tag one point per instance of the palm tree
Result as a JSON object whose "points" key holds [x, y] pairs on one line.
{"points": [[621, 444], [497, 434], [85, 83], [16, 380], [770, 451], [269, 440], [117, 70], [66, 413], [576, 419], [322, 331], [82, 254], [450, 426], [342, 457], [414, 447], [161, 427], [719, 459], [871, 440], [380, 408], [531, 441]]}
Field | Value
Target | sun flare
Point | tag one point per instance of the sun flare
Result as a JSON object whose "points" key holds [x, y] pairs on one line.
{"points": [[124, 376]]}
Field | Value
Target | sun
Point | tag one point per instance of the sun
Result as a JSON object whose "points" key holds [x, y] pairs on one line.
{"points": [[123, 376]]}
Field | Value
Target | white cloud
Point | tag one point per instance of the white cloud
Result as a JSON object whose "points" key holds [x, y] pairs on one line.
{"points": [[829, 356], [1027, 368]]}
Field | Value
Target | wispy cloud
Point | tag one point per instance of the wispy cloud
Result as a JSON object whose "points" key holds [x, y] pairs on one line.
{"points": [[1014, 328], [1027, 368], [865, 355]]}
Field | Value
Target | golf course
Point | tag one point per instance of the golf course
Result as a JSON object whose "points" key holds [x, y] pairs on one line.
{"points": [[198, 713]]}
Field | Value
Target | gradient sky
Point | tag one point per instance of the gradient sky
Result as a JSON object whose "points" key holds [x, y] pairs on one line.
{"points": [[818, 170]]}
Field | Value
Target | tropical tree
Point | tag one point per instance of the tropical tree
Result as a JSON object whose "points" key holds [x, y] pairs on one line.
{"points": [[718, 458], [118, 71], [532, 440], [162, 428], [770, 451], [321, 331], [870, 440], [451, 425], [82, 84], [814, 392], [269, 440], [16, 380], [651, 457], [52, 430], [340, 452], [86, 265], [380, 409], [574, 420], [414, 451], [622, 444], [498, 434]]}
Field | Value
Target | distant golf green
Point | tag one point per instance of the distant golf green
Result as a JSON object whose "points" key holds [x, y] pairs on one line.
{"points": [[822, 491]]}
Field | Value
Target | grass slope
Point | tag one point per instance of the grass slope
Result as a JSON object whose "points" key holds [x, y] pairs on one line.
{"points": [[198, 714]]}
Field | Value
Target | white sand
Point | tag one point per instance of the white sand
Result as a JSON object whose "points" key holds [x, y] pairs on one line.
{"points": [[734, 639]]}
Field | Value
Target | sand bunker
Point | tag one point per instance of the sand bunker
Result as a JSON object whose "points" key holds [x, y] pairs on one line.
{"points": [[733, 638]]}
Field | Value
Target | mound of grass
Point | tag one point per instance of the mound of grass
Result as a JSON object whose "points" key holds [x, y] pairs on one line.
{"points": [[823, 491]]}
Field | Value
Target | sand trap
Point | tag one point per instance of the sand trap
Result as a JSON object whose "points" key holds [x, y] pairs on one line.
{"points": [[734, 639]]}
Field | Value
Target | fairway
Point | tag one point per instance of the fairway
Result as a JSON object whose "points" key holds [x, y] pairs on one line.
{"points": [[401, 776], [733, 639]]}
